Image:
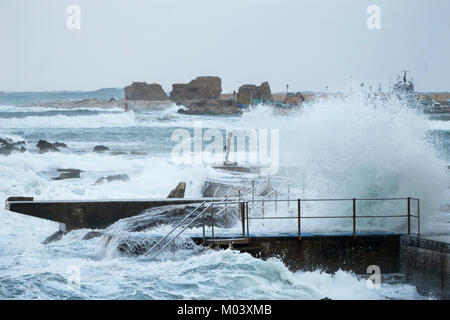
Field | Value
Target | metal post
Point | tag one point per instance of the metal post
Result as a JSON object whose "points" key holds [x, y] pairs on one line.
{"points": [[418, 217], [262, 209], [409, 215], [248, 222], [226, 210], [253, 194], [243, 218], [212, 223], [288, 193], [239, 194], [276, 201], [299, 210], [203, 220], [354, 217]]}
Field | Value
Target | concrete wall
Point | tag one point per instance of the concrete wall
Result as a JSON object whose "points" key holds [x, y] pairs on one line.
{"points": [[329, 253], [425, 263], [91, 214]]}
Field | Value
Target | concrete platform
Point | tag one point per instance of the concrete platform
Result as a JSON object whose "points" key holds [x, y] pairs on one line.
{"points": [[93, 214]]}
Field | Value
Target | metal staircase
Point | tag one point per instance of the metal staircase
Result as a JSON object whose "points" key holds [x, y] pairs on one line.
{"points": [[199, 212]]}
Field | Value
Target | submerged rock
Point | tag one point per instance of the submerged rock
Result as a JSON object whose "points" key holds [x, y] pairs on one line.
{"points": [[118, 177], [178, 192]]}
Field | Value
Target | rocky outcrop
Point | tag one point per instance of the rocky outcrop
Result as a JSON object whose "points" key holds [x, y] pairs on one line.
{"points": [[249, 92], [45, 146], [213, 107], [197, 89], [8, 146], [178, 192], [145, 91]]}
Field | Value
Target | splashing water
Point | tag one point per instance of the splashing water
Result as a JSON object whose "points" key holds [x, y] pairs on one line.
{"points": [[342, 148]]}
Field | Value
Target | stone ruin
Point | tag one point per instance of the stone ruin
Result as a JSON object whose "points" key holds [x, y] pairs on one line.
{"points": [[249, 92], [209, 88]]}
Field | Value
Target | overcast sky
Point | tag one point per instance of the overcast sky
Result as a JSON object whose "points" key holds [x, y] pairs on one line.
{"points": [[304, 43]]}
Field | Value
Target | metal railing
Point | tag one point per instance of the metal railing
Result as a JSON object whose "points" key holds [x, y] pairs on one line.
{"points": [[246, 218], [240, 193]]}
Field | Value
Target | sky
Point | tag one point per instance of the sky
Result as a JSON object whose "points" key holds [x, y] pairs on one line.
{"points": [[308, 44]]}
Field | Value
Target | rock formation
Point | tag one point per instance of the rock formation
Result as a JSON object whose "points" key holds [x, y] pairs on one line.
{"points": [[178, 192], [197, 89], [45, 146], [145, 91], [249, 92], [101, 149], [7, 146]]}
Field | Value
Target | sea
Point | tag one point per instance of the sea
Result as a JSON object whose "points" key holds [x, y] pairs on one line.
{"points": [[336, 148]]}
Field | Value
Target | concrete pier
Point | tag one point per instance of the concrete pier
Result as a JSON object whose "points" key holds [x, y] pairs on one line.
{"points": [[424, 260], [93, 214]]}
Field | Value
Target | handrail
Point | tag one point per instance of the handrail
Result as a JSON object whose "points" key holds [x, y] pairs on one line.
{"points": [[354, 216], [195, 218], [173, 239], [245, 215], [179, 224]]}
